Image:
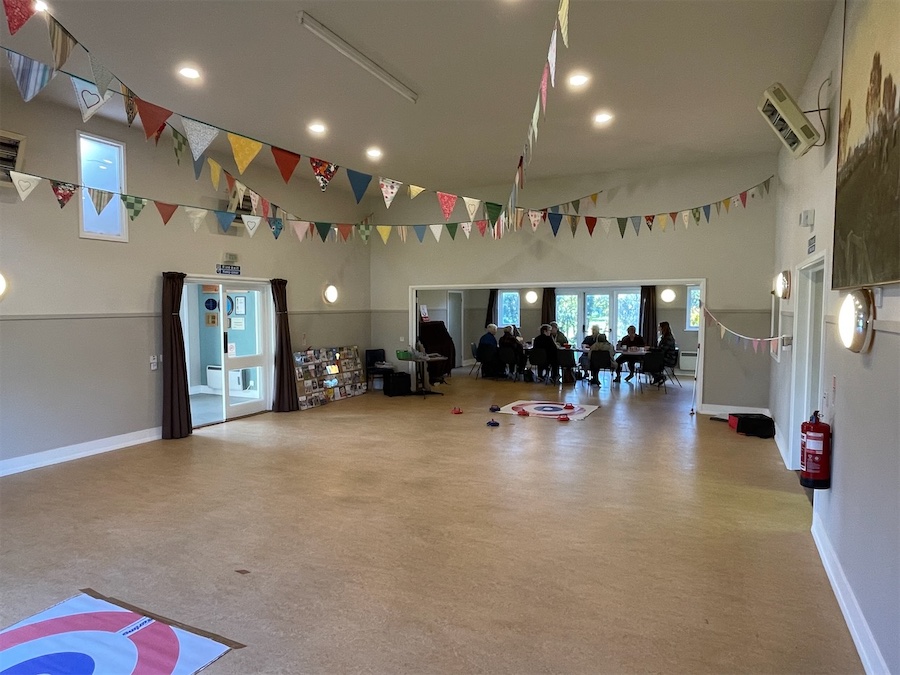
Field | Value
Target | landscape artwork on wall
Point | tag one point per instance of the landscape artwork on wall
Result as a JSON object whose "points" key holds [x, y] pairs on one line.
{"points": [[867, 201]]}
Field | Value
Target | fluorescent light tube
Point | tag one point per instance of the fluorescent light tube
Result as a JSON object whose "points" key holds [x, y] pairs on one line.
{"points": [[356, 56]]}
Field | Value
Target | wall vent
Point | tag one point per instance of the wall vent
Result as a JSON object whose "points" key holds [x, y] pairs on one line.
{"points": [[12, 155]]}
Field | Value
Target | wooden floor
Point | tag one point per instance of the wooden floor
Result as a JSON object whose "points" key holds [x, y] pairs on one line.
{"points": [[386, 535]]}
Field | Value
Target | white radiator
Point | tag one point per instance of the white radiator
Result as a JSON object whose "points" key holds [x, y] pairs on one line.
{"points": [[687, 361]]}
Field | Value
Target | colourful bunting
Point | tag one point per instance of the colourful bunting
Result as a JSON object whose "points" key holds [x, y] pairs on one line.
{"points": [[264, 207], [365, 231], [244, 150], [198, 167], [415, 191], [481, 225], [384, 231], [88, 98], [99, 198], [727, 203], [61, 41], [286, 162], [661, 219], [674, 216], [551, 58], [606, 223], [718, 209], [215, 172], [179, 143], [24, 183], [594, 198], [535, 218], [300, 228], [420, 232], [545, 76], [225, 218], [649, 220], [166, 211], [158, 134], [471, 206], [324, 171], [254, 202], [276, 225], [695, 213], [447, 202], [31, 76], [153, 117], [467, 229], [744, 199], [359, 182], [590, 222], [195, 216], [17, 13], [389, 190], [251, 223], [555, 222], [766, 184], [706, 209], [345, 231], [452, 229], [130, 101], [231, 183], [686, 217], [199, 136], [102, 76], [623, 223], [323, 229], [63, 192], [563, 15], [436, 230], [636, 223], [573, 223], [493, 211], [133, 205]]}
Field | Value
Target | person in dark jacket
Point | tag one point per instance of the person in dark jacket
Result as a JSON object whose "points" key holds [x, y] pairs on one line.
{"points": [[546, 342]]}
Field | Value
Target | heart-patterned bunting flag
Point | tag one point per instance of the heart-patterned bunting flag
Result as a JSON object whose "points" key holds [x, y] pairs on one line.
{"points": [[447, 202], [286, 161], [251, 223], [199, 136], [89, 99], [31, 76], [389, 190], [686, 218], [102, 76], [467, 229], [323, 170], [63, 192], [471, 206], [244, 150], [415, 191], [196, 216], [17, 13], [436, 230], [99, 198], [166, 211], [153, 117], [61, 41], [133, 205], [25, 183]]}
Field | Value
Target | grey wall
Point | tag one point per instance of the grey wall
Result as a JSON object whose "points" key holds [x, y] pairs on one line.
{"points": [[733, 374]]}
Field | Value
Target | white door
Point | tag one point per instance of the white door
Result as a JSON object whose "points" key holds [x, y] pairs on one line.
{"points": [[247, 358]]}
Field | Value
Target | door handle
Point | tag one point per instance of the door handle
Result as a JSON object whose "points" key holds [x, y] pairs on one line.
{"points": [[225, 343]]}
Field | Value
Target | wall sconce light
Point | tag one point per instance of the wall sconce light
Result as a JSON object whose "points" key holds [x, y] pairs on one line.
{"points": [[330, 294], [783, 285], [855, 320], [668, 295], [3, 286], [531, 297]]}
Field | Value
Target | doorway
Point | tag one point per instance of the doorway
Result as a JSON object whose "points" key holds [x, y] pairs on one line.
{"points": [[229, 348], [454, 323]]}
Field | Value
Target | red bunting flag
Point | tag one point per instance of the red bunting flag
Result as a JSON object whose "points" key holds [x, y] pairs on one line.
{"points": [[165, 211], [482, 226], [287, 161], [591, 223], [344, 231], [152, 116], [744, 199], [229, 179], [447, 202], [17, 13]]}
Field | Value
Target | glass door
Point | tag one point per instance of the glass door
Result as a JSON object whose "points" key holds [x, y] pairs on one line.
{"points": [[247, 360]]}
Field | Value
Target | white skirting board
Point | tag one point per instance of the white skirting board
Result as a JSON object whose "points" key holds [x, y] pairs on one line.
{"points": [[872, 660], [743, 410], [69, 452]]}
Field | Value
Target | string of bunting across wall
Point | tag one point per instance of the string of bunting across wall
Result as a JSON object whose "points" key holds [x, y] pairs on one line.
{"points": [[743, 340]]}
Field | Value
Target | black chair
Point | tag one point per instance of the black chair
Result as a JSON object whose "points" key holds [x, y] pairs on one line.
{"points": [[507, 356], [374, 356], [477, 367], [652, 364], [487, 355], [567, 365], [670, 369], [600, 360], [538, 359]]}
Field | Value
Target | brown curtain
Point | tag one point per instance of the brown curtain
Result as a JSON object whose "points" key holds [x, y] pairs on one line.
{"points": [[285, 377], [548, 306], [647, 329], [176, 417], [492, 302]]}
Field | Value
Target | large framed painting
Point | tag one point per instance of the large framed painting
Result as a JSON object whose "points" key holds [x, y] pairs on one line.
{"points": [[867, 200]]}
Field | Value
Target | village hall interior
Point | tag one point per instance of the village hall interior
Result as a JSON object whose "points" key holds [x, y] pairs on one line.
{"points": [[481, 161]]}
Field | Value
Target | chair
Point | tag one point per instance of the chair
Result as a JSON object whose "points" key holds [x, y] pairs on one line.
{"points": [[487, 355], [374, 356], [538, 359], [670, 370], [567, 365], [507, 356], [477, 367], [650, 364], [600, 360]]}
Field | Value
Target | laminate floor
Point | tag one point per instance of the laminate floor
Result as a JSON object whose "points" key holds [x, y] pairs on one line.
{"points": [[386, 535]]}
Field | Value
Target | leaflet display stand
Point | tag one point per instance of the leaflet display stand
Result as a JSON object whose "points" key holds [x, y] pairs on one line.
{"points": [[328, 374]]}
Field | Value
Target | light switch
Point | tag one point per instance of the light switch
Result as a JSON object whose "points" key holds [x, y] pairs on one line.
{"points": [[153, 362]]}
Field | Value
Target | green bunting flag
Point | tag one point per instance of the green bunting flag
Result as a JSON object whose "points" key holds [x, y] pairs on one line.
{"points": [[623, 223], [133, 205], [493, 211], [323, 229], [451, 229]]}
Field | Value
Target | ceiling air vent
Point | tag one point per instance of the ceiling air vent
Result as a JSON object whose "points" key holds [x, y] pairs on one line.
{"points": [[787, 120], [12, 153]]}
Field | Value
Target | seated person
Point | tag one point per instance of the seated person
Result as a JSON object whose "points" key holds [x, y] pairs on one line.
{"points": [[602, 344], [669, 348], [546, 342], [585, 360], [508, 339], [632, 339], [558, 337], [488, 353]]}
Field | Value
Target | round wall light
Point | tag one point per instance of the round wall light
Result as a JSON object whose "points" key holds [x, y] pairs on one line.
{"points": [[3, 286], [783, 285], [531, 297], [330, 294], [668, 295], [855, 320]]}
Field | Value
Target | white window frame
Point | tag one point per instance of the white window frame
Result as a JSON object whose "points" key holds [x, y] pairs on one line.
{"points": [[517, 323], [84, 198], [687, 309]]}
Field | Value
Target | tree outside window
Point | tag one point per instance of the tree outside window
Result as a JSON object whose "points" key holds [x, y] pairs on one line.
{"points": [[693, 308], [628, 312], [567, 315], [510, 306]]}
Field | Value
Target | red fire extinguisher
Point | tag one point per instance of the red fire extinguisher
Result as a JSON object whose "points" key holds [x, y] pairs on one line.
{"points": [[815, 453]]}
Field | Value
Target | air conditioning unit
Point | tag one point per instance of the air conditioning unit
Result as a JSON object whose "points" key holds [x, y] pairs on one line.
{"points": [[787, 120], [12, 154]]}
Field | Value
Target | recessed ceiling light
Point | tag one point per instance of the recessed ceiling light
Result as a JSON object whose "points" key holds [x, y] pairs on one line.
{"points": [[578, 79], [602, 118], [374, 153], [317, 128], [189, 73], [40, 6]]}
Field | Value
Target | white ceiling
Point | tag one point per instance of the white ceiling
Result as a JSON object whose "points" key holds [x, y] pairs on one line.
{"points": [[682, 76]]}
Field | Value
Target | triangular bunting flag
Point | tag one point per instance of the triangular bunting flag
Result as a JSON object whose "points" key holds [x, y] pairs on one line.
{"points": [[744, 202], [623, 223], [389, 190], [17, 13], [231, 182], [402, 232], [61, 41], [520, 217], [551, 57], [365, 231], [555, 221], [451, 229], [686, 218], [179, 143], [535, 117], [718, 208], [153, 117], [63, 192], [766, 184], [199, 136], [482, 226], [384, 231], [467, 229], [662, 220], [755, 345], [300, 228], [31, 76], [238, 194], [244, 150], [721, 331], [323, 229], [276, 225], [674, 217], [215, 172], [576, 205], [89, 99], [345, 231], [493, 211], [251, 223], [324, 171], [420, 232], [535, 217], [727, 203], [594, 198], [99, 198], [447, 202], [590, 222], [563, 14], [158, 134], [636, 224], [254, 203], [706, 210], [24, 183], [695, 214], [545, 77], [133, 205], [130, 101], [264, 207], [286, 161], [573, 223], [102, 76], [166, 211], [195, 216], [359, 182], [415, 191], [649, 220], [198, 167], [436, 231], [471, 206], [606, 223]]}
